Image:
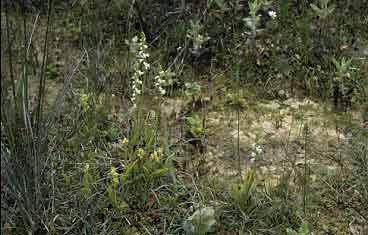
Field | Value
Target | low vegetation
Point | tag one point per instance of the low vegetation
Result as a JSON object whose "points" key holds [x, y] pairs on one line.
{"points": [[184, 117]]}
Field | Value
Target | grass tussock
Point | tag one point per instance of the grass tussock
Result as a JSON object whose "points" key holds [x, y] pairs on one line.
{"points": [[156, 117]]}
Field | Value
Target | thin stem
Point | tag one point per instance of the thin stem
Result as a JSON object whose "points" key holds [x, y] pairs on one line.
{"points": [[305, 189], [24, 70], [10, 51], [38, 142], [238, 123], [41, 90]]}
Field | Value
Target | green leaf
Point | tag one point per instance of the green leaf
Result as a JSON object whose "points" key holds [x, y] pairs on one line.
{"points": [[201, 222], [315, 8], [304, 229], [290, 231]]}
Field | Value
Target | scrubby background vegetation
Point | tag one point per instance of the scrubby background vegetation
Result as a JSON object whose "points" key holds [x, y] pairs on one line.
{"points": [[184, 117]]}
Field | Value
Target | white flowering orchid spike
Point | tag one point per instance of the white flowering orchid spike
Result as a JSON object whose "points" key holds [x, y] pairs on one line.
{"points": [[138, 48], [272, 14]]}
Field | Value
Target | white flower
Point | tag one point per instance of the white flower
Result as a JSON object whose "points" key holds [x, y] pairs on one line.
{"points": [[162, 91], [140, 66], [144, 55], [161, 79], [253, 154], [146, 65], [272, 14]]}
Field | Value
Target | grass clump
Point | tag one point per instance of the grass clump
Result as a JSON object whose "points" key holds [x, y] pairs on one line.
{"points": [[183, 117]]}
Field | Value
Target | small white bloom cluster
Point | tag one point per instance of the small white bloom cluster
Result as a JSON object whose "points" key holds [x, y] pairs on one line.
{"points": [[256, 150], [164, 78], [138, 48], [272, 14]]}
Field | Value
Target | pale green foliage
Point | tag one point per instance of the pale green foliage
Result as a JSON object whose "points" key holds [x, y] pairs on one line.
{"points": [[195, 125], [303, 230], [147, 168], [113, 191], [235, 100], [324, 9], [342, 68], [87, 181], [192, 89], [196, 35], [201, 222], [148, 171], [84, 100], [242, 193], [252, 21], [343, 72]]}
